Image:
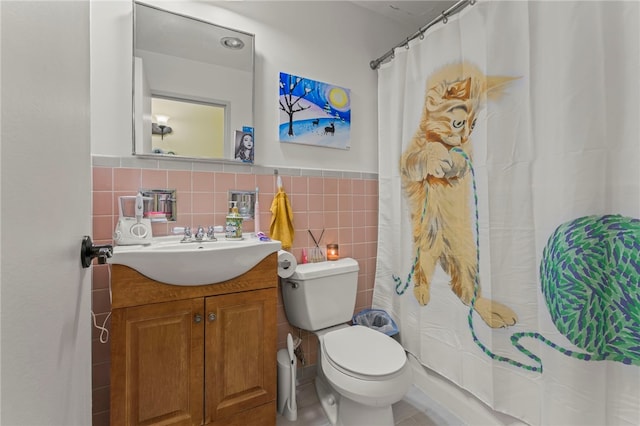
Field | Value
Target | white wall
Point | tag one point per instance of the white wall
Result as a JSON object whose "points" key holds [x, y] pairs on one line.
{"points": [[111, 38], [331, 42]]}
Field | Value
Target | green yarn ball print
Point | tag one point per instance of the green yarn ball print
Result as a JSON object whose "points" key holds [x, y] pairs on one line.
{"points": [[590, 278]]}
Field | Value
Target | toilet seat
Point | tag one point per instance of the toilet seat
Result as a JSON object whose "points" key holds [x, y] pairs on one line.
{"points": [[363, 353]]}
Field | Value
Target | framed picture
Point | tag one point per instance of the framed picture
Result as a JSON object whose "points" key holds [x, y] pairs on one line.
{"points": [[314, 113], [244, 145]]}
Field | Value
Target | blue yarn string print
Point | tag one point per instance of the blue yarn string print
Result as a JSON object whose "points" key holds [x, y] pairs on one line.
{"points": [[590, 279], [397, 279]]}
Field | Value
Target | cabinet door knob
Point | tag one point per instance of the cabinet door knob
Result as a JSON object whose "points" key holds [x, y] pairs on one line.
{"points": [[197, 318], [212, 316]]}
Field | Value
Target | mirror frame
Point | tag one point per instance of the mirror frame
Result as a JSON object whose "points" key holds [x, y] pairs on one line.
{"points": [[229, 143]]}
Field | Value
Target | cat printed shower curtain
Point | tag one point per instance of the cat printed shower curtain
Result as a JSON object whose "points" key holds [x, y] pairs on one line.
{"points": [[509, 225]]}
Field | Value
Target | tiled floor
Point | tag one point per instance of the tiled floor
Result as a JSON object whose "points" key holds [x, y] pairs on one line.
{"points": [[415, 409]]}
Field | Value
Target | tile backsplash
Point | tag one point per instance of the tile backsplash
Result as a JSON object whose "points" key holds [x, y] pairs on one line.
{"points": [[344, 204]]}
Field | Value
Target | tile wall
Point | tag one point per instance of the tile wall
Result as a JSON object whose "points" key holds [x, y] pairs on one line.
{"points": [[344, 204]]}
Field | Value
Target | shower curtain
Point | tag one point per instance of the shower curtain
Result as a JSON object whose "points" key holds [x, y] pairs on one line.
{"points": [[509, 173]]}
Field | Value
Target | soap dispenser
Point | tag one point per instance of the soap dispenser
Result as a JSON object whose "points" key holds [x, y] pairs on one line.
{"points": [[233, 229]]}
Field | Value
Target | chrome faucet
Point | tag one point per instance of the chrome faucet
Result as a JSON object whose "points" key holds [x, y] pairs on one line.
{"points": [[200, 235]]}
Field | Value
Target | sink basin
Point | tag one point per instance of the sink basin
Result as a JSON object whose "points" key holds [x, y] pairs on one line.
{"points": [[170, 261]]}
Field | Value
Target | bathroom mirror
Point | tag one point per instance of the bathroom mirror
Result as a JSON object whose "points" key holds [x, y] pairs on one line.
{"points": [[193, 84]]}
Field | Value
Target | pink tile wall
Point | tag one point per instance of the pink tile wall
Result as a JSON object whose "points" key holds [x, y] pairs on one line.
{"points": [[346, 208]]}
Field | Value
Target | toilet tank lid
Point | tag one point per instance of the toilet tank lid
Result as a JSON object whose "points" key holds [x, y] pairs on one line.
{"points": [[308, 271]]}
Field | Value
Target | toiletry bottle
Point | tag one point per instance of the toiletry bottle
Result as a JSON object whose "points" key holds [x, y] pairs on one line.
{"points": [[304, 256], [233, 229]]}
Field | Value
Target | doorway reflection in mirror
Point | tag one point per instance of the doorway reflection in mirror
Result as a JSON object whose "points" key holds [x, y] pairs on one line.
{"points": [[197, 128]]}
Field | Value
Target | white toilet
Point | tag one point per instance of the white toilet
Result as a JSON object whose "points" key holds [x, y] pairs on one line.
{"points": [[361, 371]]}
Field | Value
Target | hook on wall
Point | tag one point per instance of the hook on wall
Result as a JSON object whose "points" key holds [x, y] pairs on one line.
{"points": [[278, 179]]}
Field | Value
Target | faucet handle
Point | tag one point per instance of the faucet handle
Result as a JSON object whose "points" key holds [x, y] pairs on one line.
{"points": [[211, 233], [200, 233], [184, 230]]}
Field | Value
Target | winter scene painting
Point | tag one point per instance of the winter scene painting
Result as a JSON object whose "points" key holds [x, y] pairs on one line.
{"points": [[314, 113]]}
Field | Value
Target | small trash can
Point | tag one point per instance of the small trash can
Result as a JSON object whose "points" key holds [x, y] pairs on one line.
{"points": [[376, 319]]}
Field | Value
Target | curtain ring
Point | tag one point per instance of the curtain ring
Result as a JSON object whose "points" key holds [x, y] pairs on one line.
{"points": [[393, 55], [472, 2], [406, 44], [444, 18], [421, 36]]}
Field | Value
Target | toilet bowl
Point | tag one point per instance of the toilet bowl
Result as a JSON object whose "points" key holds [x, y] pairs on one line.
{"points": [[361, 372]]}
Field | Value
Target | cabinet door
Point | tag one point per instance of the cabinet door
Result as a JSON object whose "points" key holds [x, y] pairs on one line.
{"points": [[240, 353], [157, 364]]}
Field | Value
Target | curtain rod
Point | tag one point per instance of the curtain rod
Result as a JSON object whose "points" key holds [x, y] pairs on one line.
{"points": [[461, 4]]}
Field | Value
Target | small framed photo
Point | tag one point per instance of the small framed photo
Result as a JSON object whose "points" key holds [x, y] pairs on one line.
{"points": [[244, 147]]}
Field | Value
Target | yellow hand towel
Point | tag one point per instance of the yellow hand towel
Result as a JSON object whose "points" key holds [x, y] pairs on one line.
{"points": [[281, 228]]}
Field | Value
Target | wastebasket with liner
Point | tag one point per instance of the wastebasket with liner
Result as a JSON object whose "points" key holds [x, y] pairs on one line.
{"points": [[376, 319]]}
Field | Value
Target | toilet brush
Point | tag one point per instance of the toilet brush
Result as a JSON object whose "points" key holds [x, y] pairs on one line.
{"points": [[297, 350]]}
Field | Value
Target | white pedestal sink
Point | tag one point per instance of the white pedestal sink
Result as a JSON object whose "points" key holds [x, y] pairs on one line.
{"points": [[170, 261]]}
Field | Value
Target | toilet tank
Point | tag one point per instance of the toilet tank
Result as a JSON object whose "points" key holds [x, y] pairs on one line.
{"points": [[321, 295]]}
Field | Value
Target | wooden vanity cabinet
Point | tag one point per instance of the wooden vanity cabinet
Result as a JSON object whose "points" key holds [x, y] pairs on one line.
{"points": [[194, 355]]}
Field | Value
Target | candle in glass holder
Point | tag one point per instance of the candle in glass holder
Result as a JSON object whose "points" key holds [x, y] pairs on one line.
{"points": [[333, 253]]}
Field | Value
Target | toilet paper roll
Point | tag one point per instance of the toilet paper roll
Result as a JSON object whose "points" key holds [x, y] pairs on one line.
{"points": [[286, 264]]}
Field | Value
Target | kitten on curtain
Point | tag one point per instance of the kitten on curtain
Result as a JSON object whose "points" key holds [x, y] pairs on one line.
{"points": [[445, 235]]}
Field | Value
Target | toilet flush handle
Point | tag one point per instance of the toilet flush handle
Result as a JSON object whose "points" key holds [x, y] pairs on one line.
{"points": [[293, 284]]}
